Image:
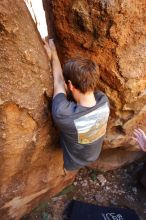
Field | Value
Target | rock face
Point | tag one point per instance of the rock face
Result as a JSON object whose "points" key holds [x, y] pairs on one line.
{"points": [[113, 34], [110, 32], [30, 162]]}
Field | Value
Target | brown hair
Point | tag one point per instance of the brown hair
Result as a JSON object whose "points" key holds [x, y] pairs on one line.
{"points": [[83, 73]]}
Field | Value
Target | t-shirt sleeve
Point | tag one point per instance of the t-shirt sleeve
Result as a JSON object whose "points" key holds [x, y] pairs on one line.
{"points": [[104, 97], [60, 106], [107, 100]]}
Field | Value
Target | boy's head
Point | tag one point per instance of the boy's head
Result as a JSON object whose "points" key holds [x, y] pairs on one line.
{"points": [[82, 74]]}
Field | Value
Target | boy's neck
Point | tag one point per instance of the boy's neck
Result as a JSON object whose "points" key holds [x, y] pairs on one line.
{"points": [[86, 100]]}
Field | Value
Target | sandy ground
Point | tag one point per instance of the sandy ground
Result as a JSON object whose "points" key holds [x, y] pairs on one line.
{"points": [[119, 188]]}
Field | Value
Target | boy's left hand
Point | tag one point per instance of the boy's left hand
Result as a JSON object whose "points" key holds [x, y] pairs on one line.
{"points": [[140, 137], [48, 49]]}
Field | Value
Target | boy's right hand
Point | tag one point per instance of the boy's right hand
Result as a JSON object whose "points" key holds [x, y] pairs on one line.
{"points": [[140, 137]]}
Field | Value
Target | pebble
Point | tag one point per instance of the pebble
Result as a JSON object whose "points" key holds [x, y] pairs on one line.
{"points": [[75, 183], [134, 189], [101, 179], [113, 202], [107, 188], [130, 198], [84, 184]]}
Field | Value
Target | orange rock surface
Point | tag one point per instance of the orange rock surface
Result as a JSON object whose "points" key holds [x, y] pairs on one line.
{"points": [[31, 164], [114, 35]]}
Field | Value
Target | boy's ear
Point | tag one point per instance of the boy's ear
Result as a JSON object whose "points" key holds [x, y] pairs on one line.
{"points": [[70, 85]]}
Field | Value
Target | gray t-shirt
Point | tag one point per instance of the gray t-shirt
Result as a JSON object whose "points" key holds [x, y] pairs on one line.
{"points": [[82, 129]]}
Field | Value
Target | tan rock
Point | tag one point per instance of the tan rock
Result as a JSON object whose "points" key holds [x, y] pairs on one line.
{"points": [[31, 163]]}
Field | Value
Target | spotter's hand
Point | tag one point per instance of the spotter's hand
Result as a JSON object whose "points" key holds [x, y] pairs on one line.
{"points": [[140, 137]]}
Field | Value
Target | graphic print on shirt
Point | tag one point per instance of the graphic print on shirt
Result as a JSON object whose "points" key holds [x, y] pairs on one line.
{"points": [[92, 126]]}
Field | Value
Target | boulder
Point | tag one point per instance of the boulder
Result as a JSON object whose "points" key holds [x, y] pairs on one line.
{"points": [[31, 164], [113, 34]]}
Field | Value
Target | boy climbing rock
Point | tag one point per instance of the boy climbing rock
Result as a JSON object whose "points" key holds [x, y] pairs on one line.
{"points": [[82, 122]]}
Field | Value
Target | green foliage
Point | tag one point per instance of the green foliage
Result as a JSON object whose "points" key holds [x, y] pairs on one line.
{"points": [[42, 206], [45, 216], [93, 175], [67, 190]]}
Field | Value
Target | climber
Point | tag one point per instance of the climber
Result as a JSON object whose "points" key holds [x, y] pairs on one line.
{"points": [[140, 137], [82, 122]]}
